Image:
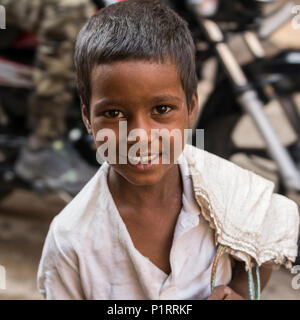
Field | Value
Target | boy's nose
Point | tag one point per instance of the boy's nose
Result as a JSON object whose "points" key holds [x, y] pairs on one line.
{"points": [[141, 128]]}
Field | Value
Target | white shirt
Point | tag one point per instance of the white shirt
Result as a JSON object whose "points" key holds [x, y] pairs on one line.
{"points": [[88, 253]]}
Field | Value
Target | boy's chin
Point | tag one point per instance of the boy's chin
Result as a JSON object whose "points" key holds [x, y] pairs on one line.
{"points": [[143, 176]]}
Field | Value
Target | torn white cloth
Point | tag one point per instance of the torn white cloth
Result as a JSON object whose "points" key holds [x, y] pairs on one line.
{"points": [[254, 223]]}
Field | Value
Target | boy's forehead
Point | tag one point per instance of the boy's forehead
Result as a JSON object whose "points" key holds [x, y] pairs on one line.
{"points": [[134, 65], [138, 76]]}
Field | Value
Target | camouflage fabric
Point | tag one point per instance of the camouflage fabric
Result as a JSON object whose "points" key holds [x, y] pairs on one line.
{"points": [[56, 23]]}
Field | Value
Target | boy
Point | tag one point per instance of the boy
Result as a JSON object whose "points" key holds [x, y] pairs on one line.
{"points": [[145, 230]]}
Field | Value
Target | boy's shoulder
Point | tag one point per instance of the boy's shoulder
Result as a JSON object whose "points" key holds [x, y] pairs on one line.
{"points": [[85, 209]]}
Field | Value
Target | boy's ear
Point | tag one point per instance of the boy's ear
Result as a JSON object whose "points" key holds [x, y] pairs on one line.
{"points": [[86, 118], [193, 109]]}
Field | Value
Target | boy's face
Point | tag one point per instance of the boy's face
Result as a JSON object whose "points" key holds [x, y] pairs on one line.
{"points": [[147, 95]]}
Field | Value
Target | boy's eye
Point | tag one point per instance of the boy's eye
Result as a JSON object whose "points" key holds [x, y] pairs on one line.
{"points": [[113, 114], [162, 109]]}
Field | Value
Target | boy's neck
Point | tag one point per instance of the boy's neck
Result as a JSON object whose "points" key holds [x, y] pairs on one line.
{"points": [[169, 189]]}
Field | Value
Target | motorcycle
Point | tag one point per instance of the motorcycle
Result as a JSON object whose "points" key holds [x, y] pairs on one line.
{"points": [[248, 88]]}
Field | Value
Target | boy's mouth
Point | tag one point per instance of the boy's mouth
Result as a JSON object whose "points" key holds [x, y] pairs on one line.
{"points": [[143, 162], [142, 159]]}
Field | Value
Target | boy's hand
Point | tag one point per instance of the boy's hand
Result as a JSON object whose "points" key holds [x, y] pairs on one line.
{"points": [[224, 293]]}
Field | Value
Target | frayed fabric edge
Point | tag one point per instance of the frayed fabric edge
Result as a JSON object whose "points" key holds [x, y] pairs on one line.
{"points": [[242, 254]]}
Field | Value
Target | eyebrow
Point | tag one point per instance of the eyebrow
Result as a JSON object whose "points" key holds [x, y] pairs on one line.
{"points": [[165, 97], [107, 102], [158, 99]]}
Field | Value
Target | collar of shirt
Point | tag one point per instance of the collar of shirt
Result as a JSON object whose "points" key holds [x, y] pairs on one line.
{"points": [[190, 212]]}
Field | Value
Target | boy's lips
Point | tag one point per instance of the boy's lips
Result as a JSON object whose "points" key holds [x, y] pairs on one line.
{"points": [[143, 166], [143, 162], [144, 157]]}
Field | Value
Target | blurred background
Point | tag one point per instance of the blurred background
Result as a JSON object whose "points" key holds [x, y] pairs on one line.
{"points": [[46, 156]]}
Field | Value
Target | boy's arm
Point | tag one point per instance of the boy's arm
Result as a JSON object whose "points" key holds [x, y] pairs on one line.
{"points": [[237, 289], [239, 282], [58, 275]]}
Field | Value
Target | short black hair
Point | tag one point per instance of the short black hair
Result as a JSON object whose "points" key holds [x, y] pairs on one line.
{"points": [[135, 29]]}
